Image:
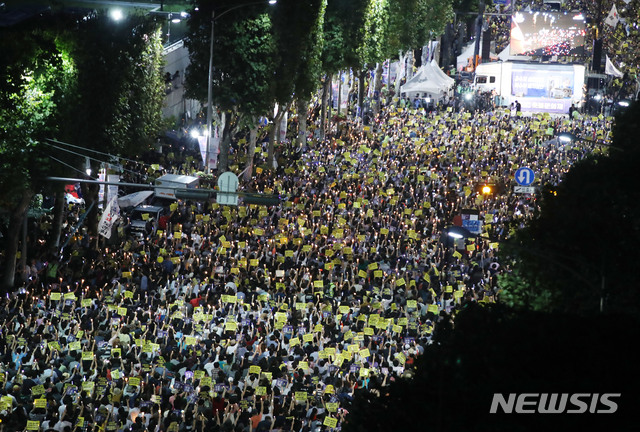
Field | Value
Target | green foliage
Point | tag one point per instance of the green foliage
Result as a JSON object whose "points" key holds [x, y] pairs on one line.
{"points": [[118, 99], [580, 253], [35, 71], [517, 291], [493, 349], [296, 27], [376, 30], [343, 34], [243, 57]]}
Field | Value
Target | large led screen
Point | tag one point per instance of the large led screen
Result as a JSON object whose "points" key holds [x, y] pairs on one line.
{"points": [[549, 89], [547, 34]]}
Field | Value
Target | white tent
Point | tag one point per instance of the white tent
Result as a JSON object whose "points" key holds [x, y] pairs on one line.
{"points": [[134, 199], [465, 55], [505, 55], [429, 82]]}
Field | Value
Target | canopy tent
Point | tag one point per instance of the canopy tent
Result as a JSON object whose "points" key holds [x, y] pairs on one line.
{"points": [[429, 82], [505, 55], [465, 59], [134, 199]]}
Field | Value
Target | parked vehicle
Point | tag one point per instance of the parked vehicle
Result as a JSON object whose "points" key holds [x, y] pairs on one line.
{"points": [[143, 219], [171, 182]]}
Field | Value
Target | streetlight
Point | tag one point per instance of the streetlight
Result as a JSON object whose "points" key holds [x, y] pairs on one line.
{"points": [[210, 83], [552, 257], [568, 137], [116, 14]]}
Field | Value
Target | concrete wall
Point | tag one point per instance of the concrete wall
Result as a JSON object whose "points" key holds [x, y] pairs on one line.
{"points": [[176, 61]]}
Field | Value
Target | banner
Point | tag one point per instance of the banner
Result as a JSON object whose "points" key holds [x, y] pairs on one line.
{"points": [[109, 216], [613, 18], [344, 101], [215, 147], [610, 69], [283, 127], [202, 144]]}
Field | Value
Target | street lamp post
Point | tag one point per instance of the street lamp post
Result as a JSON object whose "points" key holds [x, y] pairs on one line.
{"points": [[210, 82], [210, 95], [458, 232], [568, 137]]}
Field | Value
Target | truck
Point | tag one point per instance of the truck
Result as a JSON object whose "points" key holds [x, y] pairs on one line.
{"points": [[168, 184], [538, 87]]}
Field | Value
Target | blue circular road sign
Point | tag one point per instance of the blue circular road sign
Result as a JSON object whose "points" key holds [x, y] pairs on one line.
{"points": [[525, 176]]}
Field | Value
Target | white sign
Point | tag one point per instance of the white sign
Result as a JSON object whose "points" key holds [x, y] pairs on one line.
{"points": [[227, 182], [524, 189]]}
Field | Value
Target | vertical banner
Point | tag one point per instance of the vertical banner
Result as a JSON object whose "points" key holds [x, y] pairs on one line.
{"points": [[385, 73], [109, 216], [202, 145], [425, 57], [283, 127], [394, 71], [112, 190], [335, 85], [102, 175], [344, 101], [215, 149]]}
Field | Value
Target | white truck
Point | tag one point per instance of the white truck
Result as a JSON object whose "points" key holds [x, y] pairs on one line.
{"points": [[170, 182], [538, 87]]}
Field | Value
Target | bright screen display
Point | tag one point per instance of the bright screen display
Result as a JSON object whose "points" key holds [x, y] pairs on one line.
{"points": [[551, 89], [547, 34]]}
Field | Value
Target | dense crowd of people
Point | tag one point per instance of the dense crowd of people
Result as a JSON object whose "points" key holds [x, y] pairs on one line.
{"points": [[254, 318]]}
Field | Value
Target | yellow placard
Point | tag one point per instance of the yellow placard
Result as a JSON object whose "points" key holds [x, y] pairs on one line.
{"points": [[330, 422]]}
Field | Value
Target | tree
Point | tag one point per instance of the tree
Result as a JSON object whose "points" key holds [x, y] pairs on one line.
{"points": [[96, 84], [581, 250], [343, 33], [35, 72], [117, 104], [413, 23], [297, 29], [494, 349], [243, 60]]}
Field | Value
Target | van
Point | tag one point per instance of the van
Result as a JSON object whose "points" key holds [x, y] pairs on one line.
{"points": [[142, 225], [170, 182]]}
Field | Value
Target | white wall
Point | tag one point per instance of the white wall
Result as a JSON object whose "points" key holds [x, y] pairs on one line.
{"points": [[177, 59]]}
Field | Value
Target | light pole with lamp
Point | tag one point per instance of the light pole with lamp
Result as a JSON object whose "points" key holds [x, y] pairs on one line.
{"points": [[458, 232], [210, 82], [568, 137]]}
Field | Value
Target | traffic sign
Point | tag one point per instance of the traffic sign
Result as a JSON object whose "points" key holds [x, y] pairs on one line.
{"points": [[227, 182], [524, 176], [524, 189]]}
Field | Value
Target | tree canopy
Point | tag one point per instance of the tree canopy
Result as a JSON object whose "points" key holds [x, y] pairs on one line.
{"points": [[494, 349], [95, 84], [574, 256]]}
